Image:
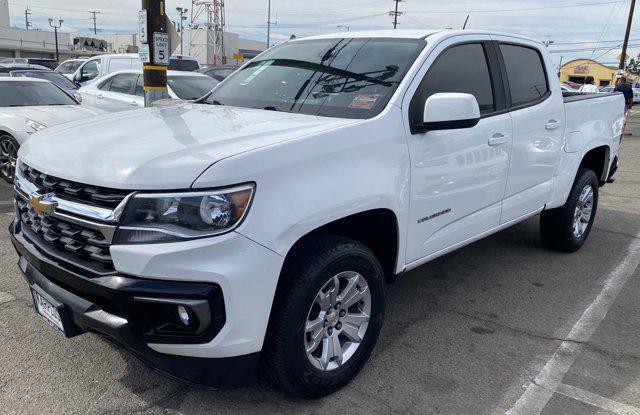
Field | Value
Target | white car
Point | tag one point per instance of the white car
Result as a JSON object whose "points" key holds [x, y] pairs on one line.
{"points": [[28, 105], [123, 90], [70, 66], [263, 223]]}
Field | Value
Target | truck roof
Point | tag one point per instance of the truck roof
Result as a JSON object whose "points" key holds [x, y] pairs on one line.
{"points": [[416, 34]]}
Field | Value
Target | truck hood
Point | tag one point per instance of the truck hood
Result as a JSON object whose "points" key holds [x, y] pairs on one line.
{"points": [[50, 115], [161, 148]]}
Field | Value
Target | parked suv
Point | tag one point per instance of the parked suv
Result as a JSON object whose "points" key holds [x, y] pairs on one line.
{"points": [[261, 225]]}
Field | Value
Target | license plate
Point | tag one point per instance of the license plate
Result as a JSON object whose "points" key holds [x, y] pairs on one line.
{"points": [[49, 311]]}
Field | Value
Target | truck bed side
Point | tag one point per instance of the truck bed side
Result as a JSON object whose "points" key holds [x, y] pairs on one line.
{"points": [[591, 121]]}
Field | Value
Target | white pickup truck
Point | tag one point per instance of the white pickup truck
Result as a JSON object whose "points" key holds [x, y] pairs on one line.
{"points": [[260, 226]]}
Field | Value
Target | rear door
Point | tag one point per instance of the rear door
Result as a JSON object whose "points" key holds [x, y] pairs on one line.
{"points": [[117, 93], [458, 177], [537, 113]]}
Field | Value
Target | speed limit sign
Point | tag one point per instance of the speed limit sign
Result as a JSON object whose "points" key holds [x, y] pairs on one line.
{"points": [[161, 48]]}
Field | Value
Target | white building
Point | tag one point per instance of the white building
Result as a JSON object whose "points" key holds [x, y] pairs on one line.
{"points": [[195, 44], [4, 13]]}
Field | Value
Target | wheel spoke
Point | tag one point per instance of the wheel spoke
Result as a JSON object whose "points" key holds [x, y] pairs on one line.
{"points": [[355, 297], [350, 289], [327, 352], [316, 339], [333, 293], [315, 325], [352, 332], [323, 300]]}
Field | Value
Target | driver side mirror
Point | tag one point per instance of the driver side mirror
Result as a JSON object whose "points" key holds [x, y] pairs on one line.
{"points": [[449, 111]]}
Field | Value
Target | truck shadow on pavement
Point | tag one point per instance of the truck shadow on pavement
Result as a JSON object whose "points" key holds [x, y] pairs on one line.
{"points": [[463, 333]]}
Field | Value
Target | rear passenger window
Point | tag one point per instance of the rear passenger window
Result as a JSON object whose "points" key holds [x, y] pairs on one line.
{"points": [[461, 68], [526, 73], [122, 83]]}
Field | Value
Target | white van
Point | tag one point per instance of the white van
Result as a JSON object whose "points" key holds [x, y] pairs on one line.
{"points": [[103, 65]]}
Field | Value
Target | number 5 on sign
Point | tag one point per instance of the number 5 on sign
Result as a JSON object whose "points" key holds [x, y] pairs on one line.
{"points": [[161, 49]]}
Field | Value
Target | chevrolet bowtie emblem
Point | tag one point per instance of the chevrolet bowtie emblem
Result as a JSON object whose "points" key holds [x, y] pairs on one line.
{"points": [[43, 203]]}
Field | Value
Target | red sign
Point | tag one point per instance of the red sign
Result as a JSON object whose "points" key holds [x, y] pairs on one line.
{"points": [[581, 69]]}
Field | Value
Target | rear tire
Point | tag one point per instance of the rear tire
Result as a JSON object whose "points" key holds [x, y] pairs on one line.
{"points": [[567, 228], [330, 286]]}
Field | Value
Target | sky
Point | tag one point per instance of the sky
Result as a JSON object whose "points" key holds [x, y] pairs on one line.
{"points": [[587, 28]]}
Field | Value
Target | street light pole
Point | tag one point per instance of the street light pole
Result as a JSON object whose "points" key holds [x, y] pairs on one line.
{"points": [[182, 13], [55, 29]]}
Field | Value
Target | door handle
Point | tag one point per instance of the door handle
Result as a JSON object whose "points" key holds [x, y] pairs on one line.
{"points": [[99, 96], [552, 125], [498, 139], [134, 104]]}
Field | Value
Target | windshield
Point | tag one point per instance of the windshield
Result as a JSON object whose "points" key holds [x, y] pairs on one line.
{"points": [[25, 94], [348, 78], [191, 87], [60, 80]]}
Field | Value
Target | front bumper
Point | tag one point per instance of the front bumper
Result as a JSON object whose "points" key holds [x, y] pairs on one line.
{"points": [[105, 305]]}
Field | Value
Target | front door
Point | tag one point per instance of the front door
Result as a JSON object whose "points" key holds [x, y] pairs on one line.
{"points": [[458, 177]]}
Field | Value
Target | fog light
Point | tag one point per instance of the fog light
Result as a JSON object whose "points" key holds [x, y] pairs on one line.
{"points": [[184, 315]]}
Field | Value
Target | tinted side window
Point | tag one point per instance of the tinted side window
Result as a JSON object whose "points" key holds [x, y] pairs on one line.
{"points": [[122, 83], [526, 73], [461, 68]]}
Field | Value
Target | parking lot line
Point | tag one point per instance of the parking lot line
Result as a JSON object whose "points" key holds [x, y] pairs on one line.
{"points": [[540, 391], [597, 400]]}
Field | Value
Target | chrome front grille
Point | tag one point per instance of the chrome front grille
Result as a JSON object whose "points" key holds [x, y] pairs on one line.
{"points": [[73, 243], [93, 195], [54, 215]]}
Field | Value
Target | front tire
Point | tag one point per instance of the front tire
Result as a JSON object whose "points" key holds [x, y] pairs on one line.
{"points": [[8, 156], [567, 228], [326, 318]]}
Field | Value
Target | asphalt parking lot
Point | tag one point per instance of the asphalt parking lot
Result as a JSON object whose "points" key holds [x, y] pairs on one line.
{"points": [[502, 325]]}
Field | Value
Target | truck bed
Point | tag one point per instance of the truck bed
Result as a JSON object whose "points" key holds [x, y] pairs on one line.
{"points": [[580, 96]]}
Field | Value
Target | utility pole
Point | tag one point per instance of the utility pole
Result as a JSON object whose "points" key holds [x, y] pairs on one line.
{"points": [[623, 56], [269, 23], [155, 70], [95, 25], [55, 29], [183, 16], [27, 23], [395, 14], [560, 67]]}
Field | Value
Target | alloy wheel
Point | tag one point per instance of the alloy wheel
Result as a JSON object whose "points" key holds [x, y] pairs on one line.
{"points": [[8, 156], [583, 212], [337, 321]]}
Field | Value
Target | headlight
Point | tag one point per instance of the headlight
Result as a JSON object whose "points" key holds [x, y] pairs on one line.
{"points": [[170, 217], [34, 125]]}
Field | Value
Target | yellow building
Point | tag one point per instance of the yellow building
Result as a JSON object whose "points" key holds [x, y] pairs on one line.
{"points": [[577, 70]]}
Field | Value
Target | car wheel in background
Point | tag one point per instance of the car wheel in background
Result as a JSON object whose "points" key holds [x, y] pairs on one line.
{"points": [[567, 228], [327, 316], [8, 155]]}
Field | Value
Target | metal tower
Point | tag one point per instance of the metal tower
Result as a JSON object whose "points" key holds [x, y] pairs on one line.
{"points": [[209, 14]]}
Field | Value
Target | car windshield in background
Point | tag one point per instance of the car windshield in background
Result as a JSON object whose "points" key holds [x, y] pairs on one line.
{"points": [[183, 65], [58, 79], [349, 78], [26, 94], [191, 87]]}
